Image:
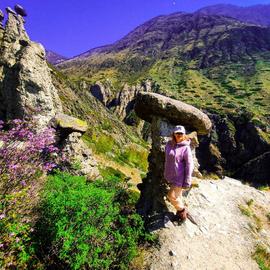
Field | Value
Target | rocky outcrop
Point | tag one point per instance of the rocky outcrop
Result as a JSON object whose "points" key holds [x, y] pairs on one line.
{"points": [[256, 170], [26, 87], [234, 145], [103, 93], [122, 102], [164, 113], [27, 90], [80, 157]]}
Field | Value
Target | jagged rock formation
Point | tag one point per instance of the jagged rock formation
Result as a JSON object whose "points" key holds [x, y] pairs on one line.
{"points": [[122, 102], [103, 93], [224, 237], [164, 113], [26, 87], [27, 90]]}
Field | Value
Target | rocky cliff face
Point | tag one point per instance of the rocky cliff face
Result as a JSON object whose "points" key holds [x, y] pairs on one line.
{"points": [[26, 87], [121, 102], [236, 146]]}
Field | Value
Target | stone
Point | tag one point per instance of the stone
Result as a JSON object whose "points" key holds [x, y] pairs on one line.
{"points": [[102, 92], [69, 123], [151, 104], [20, 10], [172, 253], [256, 170], [78, 153]]}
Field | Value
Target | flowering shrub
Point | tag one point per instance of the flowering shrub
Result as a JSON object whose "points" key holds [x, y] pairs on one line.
{"points": [[25, 153]]}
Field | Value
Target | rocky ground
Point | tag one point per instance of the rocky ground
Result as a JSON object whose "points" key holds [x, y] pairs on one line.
{"points": [[232, 220]]}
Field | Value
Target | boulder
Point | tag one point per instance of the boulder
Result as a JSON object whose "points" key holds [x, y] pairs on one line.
{"points": [[69, 123], [151, 104]]}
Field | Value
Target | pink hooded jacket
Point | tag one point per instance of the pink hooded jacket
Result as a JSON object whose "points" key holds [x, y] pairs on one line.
{"points": [[178, 163]]}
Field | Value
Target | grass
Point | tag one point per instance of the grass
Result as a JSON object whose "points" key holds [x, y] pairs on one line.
{"points": [[262, 257], [245, 210]]}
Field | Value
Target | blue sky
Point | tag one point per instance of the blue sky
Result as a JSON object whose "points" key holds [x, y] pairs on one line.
{"points": [[72, 27]]}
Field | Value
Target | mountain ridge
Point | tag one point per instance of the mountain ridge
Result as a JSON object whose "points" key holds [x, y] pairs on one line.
{"points": [[258, 14], [215, 63]]}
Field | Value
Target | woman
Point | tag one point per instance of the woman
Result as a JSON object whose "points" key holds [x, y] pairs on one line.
{"points": [[178, 168]]}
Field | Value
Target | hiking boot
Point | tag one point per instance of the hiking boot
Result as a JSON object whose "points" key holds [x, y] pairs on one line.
{"points": [[182, 214]]}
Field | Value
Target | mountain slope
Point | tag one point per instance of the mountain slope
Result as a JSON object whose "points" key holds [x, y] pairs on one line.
{"points": [[215, 63], [208, 61], [258, 14]]}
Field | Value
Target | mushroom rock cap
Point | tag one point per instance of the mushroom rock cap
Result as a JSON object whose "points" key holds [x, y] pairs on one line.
{"points": [[10, 10], [67, 122], [148, 105], [20, 10]]}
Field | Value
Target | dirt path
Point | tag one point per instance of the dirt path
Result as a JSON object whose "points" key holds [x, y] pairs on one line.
{"points": [[224, 239]]}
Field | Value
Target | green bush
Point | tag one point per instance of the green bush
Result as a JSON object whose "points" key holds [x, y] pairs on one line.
{"points": [[83, 225]]}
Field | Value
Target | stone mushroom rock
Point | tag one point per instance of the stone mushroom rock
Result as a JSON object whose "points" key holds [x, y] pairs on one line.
{"points": [[69, 123], [20, 10], [70, 130], [10, 10], [164, 113], [151, 104]]}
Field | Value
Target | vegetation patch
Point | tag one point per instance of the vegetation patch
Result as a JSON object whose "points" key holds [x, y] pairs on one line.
{"points": [[88, 225], [262, 257]]}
